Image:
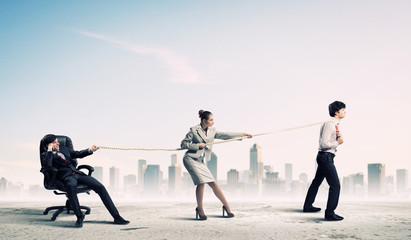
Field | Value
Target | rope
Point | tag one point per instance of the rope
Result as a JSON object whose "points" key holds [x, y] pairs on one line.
{"points": [[210, 143]]}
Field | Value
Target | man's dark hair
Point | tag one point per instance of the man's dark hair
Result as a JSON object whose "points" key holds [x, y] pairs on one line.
{"points": [[335, 107], [49, 138]]}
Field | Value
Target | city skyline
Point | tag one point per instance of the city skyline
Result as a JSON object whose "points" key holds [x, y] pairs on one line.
{"points": [[114, 179], [149, 181], [379, 185]]}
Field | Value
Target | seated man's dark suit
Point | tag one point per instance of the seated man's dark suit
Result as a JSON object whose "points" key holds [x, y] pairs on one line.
{"points": [[70, 176]]}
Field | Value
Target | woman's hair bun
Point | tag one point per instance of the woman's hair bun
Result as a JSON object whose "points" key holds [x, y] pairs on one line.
{"points": [[204, 115]]}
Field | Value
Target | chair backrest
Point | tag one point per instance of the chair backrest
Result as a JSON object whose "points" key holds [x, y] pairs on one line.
{"points": [[65, 146]]}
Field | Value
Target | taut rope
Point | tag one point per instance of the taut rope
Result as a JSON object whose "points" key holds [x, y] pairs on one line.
{"points": [[210, 143]]}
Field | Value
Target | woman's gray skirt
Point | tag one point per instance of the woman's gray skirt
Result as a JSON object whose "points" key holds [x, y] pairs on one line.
{"points": [[199, 172]]}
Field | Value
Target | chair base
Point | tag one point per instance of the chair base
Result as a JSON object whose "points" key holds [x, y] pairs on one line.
{"points": [[61, 209]]}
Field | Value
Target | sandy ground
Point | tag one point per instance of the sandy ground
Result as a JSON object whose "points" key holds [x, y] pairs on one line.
{"points": [[174, 220]]}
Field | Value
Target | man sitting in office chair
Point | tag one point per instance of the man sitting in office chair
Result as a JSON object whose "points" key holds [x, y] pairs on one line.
{"points": [[70, 176]]}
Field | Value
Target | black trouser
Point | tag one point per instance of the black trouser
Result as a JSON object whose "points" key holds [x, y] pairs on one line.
{"points": [[71, 183], [326, 169]]}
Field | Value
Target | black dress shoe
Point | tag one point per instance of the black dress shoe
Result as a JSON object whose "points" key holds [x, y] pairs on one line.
{"points": [[333, 217], [121, 221], [311, 209], [79, 222]]}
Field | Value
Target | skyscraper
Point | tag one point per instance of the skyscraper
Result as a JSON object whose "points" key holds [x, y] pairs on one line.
{"points": [[3, 187], [187, 182], [114, 178], [376, 179], [268, 168], [233, 178], [174, 176], [130, 185], [358, 179], [256, 164], [389, 185], [245, 176], [212, 165], [15, 189], [152, 179], [288, 175], [142, 165], [402, 180], [353, 185], [173, 159], [98, 173], [129, 180], [348, 185], [303, 177]]}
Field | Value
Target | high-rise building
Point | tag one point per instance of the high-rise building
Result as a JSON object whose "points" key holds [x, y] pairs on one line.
{"points": [[402, 180], [130, 180], [288, 175], [187, 182], [245, 176], [256, 164], [358, 179], [389, 185], [271, 176], [35, 191], [268, 168], [114, 178], [376, 179], [273, 186], [348, 185], [173, 159], [174, 176], [152, 179], [303, 177], [130, 186], [233, 179], [98, 173], [298, 188], [3, 187], [15, 189], [212, 165], [142, 165], [353, 185]]}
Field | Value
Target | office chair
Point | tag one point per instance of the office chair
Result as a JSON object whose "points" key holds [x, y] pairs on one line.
{"points": [[51, 183]]}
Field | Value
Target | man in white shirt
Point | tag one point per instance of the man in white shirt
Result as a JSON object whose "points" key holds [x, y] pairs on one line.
{"points": [[330, 139]]}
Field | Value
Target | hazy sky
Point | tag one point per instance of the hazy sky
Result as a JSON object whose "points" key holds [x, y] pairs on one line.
{"points": [[135, 74]]}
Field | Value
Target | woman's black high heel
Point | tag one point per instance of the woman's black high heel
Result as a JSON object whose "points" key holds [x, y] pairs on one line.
{"points": [[229, 215], [199, 216]]}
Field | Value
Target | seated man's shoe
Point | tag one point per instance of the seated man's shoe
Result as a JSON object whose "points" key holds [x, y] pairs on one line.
{"points": [[333, 217], [120, 220], [79, 222], [311, 209]]}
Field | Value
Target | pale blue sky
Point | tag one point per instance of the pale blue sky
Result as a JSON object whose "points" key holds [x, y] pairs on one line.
{"points": [[135, 73]]}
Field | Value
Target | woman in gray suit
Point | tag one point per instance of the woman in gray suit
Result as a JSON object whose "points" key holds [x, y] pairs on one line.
{"points": [[199, 153]]}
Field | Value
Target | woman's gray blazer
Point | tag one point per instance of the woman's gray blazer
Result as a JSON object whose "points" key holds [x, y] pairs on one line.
{"points": [[194, 158]]}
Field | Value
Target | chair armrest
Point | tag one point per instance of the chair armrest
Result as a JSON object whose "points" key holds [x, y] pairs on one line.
{"points": [[50, 174], [88, 167]]}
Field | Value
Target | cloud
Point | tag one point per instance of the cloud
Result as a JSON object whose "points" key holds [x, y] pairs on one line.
{"points": [[179, 67]]}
